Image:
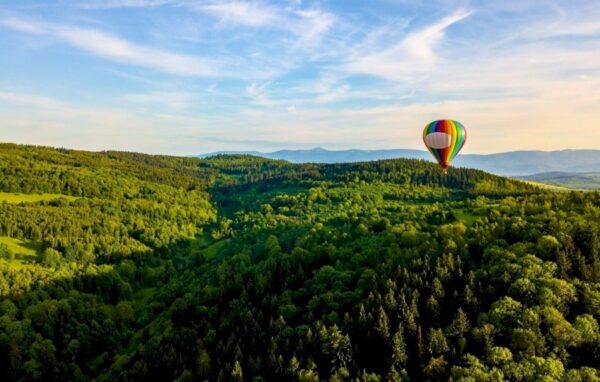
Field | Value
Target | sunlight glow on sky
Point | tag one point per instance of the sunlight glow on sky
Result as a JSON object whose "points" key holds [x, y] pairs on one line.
{"points": [[187, 77]]}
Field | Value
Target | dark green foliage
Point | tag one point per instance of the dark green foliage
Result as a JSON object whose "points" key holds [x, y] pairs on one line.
{"points": [[366, 272]]}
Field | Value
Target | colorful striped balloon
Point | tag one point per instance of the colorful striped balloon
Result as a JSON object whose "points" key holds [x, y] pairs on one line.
{"points": [[444, 138]]}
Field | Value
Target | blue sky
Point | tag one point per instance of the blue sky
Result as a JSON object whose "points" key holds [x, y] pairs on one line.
{"points": [[185, 77]]}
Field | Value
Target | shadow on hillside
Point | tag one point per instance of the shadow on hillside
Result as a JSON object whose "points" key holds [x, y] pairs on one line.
{"points": [[87, 323]]}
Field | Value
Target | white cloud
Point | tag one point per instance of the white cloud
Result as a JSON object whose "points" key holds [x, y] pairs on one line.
{"points": [[313, 24], [117, 49], [258, 92], [241, 13], [414, 55], [307, 24], [421, 44], [109, 4]]}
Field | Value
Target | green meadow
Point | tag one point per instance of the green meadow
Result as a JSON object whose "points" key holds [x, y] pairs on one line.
{"points": [[10, 197], [24, 251]]}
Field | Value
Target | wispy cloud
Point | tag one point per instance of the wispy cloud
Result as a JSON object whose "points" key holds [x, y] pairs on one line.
{"points": [[414, 54], [313, 24], [110, 4], [308, 24], [421, 43], [241, 13], [116, 49]]}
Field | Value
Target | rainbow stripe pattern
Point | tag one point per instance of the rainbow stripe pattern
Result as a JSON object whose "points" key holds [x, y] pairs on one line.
{"points": [[444, 138]]}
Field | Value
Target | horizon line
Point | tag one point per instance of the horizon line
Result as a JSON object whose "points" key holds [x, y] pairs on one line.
{"points": [[243, 151]]}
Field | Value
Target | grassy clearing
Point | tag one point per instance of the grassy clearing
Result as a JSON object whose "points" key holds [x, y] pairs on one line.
{"points": [[212, 250], [580, 184], [574, 181], [465, 216], [142, 296], [200, 242], [23, 247], [26, 251], [207, 246], [10, 197], [547, 186]]}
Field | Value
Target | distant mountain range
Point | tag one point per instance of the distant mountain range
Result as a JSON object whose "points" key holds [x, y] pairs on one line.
{"points": [[584, 181], [512, 163]]}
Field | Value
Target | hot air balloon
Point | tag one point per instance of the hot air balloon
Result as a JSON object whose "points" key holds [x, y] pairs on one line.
{"points": [[444, 138]]}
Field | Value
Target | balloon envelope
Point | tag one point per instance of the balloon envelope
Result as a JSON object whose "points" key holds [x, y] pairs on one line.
{"points": [[444, 138]]}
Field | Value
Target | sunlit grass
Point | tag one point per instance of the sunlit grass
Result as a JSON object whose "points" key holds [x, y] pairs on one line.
{"points": [[25, 251], [465, 216], [10, 197], [547, 186]]}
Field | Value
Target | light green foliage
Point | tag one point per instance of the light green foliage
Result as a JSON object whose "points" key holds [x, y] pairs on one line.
{"points": [[548, 246], [500, 355], [73, 208], [50, 258], [437, 342], [6, 252]]}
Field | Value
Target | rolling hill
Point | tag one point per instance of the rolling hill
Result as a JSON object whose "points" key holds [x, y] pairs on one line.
{"points": [[573, 180], [513, 163]]}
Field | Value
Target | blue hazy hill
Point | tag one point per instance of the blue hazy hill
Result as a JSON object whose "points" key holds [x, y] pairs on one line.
{"points": [[578, 180]]}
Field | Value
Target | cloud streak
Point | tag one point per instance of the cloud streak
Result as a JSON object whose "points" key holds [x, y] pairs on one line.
{"points": [[309, 25], [117, 49], [241, 13], [413, 55]]}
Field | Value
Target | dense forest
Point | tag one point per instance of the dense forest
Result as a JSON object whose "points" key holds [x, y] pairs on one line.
{"points": [[130, 267]]}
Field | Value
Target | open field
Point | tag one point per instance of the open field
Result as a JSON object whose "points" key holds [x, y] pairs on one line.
{"points": [[25, 251], [570, 180], [10, 197], [546, 186]]}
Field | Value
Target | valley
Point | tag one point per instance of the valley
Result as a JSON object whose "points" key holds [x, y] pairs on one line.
{"points": [[235, 268]]}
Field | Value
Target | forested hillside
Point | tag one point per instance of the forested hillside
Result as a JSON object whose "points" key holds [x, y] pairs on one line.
{"points": [[129, 267], [512, 163]]}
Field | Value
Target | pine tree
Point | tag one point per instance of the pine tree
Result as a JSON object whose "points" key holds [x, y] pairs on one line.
{"points": [[399, 356], [383, 324], [236, 372]]}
